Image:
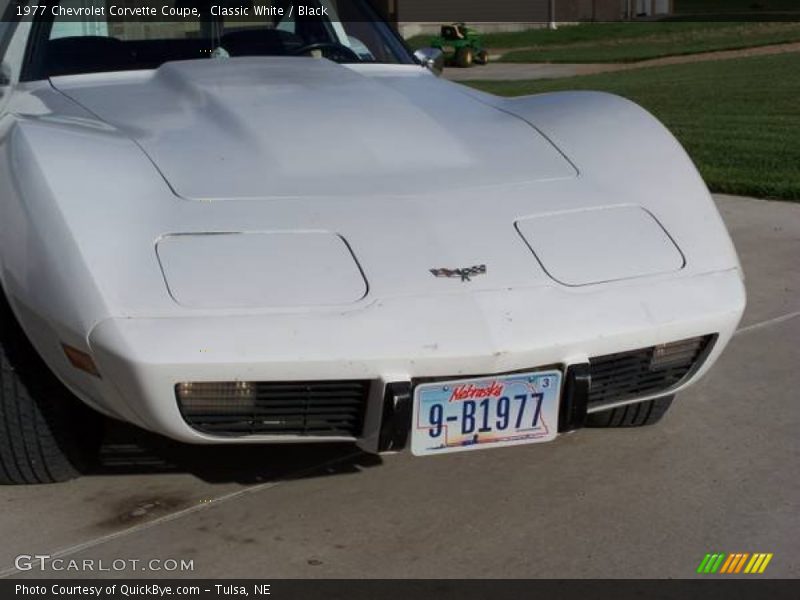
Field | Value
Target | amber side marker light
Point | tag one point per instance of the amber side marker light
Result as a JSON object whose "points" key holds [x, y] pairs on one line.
{"points": [[81, 361]]}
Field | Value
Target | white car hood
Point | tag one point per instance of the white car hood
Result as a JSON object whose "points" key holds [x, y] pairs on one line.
{"points": [[285, 127], [112, 224]]}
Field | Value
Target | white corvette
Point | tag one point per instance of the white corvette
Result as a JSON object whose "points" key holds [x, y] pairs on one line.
{"points": [[293, 231]]}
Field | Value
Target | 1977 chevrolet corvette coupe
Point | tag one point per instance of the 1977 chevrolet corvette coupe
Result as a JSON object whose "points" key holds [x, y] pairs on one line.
{"points": [[290, 230]]}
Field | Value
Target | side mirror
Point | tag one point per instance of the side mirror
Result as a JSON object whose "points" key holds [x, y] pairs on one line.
{"points": [[431, 58], [5, 79], [5, 75]]}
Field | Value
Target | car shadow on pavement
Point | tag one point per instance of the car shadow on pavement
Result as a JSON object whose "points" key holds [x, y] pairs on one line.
{"points": [[129, 450]]}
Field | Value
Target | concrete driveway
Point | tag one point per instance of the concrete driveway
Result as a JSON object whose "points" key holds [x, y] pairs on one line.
{"points": [[497, 71], [719, 474]]}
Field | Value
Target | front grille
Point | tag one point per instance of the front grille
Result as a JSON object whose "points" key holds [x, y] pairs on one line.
{"points": [[644, 372], [304, 408]]}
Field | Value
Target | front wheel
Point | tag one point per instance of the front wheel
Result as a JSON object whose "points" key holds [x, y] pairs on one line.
{"points": [[464, 57], [632, 415], [46, 435]]}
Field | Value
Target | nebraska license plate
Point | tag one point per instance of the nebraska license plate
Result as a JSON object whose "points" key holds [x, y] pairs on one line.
{"points": [[467, 414]]}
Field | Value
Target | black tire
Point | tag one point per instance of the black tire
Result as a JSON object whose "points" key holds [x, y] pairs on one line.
{"points": [[464, 57], [482, 58], [632, 415], [46, 434]]}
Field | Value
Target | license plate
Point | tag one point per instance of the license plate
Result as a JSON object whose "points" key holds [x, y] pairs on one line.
{"points": [[468, 414]]}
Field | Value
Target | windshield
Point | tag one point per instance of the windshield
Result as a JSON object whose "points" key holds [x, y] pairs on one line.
{"points": [[345, 31]]}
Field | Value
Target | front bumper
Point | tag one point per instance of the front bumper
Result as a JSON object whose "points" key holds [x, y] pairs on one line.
{"points": [[398, 340]]}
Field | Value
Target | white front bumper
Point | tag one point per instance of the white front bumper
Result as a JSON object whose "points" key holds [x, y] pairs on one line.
{"points": [[397, 339]]}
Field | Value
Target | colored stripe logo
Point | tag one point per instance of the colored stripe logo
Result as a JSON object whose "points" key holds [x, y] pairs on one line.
{"points": [[731, 564]]}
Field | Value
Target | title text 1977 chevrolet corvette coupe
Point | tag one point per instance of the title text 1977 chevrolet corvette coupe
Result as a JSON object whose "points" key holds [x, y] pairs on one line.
{"points": [[290, 230]]}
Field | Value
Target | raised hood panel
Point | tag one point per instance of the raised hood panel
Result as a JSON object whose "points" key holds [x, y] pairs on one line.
{"points": [[278, 127]]}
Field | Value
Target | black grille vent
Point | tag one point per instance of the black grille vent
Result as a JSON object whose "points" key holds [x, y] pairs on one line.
{"points": [[309, 408], [640, 373]]}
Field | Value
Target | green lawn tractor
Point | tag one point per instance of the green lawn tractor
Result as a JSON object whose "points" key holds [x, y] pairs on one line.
{"points": [[461, 45]]}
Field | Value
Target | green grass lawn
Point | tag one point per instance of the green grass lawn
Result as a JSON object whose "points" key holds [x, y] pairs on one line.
{"points": [[734, 6], [738, 119], [628, 42]]}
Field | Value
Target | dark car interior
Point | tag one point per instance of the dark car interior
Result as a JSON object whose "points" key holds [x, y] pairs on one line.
{"points": [[121, 48], [92, 54]]}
